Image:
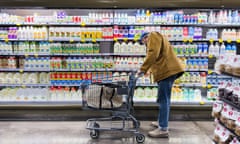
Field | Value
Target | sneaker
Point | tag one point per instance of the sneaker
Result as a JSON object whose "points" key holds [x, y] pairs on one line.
{"points": [[154, 124], [158, 133]]}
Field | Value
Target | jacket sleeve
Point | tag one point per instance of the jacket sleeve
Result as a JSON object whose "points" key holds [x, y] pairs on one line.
{"points": [[153, 49]]}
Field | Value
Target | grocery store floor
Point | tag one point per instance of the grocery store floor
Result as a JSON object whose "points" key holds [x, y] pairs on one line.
{"points": [[72, 132]]}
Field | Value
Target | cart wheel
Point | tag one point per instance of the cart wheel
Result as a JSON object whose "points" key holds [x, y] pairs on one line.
{"points": [[94, 134], [96, 125], [140, 138]]}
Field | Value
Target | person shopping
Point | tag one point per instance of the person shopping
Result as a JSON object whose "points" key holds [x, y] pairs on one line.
{"points": [[165, 67]]}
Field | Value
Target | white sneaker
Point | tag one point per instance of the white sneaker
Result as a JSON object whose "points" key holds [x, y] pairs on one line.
{"points": [[154, 124], [158, 133]]}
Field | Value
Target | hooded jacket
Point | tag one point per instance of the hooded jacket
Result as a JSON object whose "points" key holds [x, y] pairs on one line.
{"points": [[161, 59]]}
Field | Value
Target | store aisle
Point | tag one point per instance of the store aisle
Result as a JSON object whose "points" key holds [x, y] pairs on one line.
{"points": [[75, 133]]}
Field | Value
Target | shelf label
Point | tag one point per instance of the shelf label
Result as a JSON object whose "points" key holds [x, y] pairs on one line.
{"points": [[125, 39], [202, 103], [211, 40], [220, 40], [184, 40], [135, 39], [83, 24], [18, 24], [229, 41], [23, 86], [204, 86], [50, 41], [209, 86], [190, 40], [238, 40], [83, 40], [71, 41], [94, 40], [6, 40], [210, 71], [115, 39], [26, 55], [36, 55], [210, 56]]}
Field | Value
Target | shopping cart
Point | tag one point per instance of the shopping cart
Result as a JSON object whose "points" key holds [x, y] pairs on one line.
{"points": [[121, 118]]}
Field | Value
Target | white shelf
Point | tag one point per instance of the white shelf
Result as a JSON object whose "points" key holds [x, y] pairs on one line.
{"points": [[23, 85]]}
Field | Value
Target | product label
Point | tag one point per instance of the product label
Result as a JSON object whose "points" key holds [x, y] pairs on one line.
{"points": [[217, 106], [224, 135]]}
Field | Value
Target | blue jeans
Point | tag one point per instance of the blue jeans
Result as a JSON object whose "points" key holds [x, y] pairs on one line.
{"points": [[164, 100]]}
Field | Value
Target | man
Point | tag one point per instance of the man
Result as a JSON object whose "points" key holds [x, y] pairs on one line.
{"points": [[165, 68]]}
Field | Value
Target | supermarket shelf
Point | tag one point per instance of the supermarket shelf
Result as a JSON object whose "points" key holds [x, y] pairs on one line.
{"points": [[24, 70], [183, 24], [40, 103], [181, 85], [196, 70], [16, 40], [128, 54], [185, 103], [222, 124], [191, 55], [24, 85], [24, 54], [81, 70], [78, 40], [230, 103], [98, 54]]}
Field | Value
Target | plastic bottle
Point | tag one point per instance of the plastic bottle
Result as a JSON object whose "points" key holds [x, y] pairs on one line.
{"points": [[222, 49]]}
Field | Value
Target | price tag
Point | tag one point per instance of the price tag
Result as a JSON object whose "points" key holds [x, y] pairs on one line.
{"points": [[210, 56], [210, 71], [23, 86], [229, 41], [83, 40], [71, 41], [135, 39], [204, 86], [209, 86], [21, 70], [26, 55], [36, 55], [83, 24], [220, 40], [6, 40], [125, 39], [190, 40], [211, 40], [94, 40], [50, 41], [201, 102], [184, 40], [18, 24], [115, 39], [238, 40]]}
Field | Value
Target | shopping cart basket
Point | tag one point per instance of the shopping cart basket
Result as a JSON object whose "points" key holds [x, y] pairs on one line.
{"points": [[103, 95]]}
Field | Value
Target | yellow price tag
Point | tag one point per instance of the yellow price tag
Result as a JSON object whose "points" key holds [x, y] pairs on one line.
{"points": [[6, 40], [210, 71], [209, 86], [135, 39], [18, 24], [21, 70], [210, 56], [201, 102], [71, 41], [83, 40], [83, 24], [36, 55], [204, 86], [238, 41], [229, 41], [184, 40], [26, 55], [115, 39], [190, 40], [94, 40], [220, 40], [211, 40], [125, 39], [23, 86], [50, 41]]}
